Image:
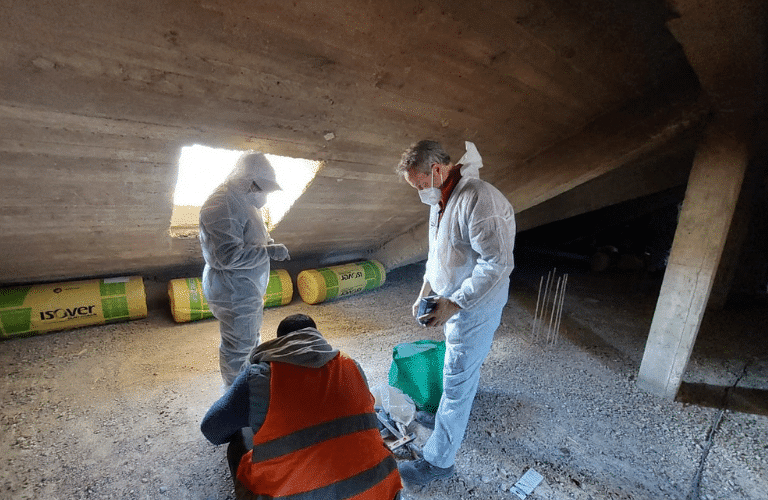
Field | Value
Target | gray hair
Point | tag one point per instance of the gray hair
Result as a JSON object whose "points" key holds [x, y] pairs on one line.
{"points": [[421, 156]]}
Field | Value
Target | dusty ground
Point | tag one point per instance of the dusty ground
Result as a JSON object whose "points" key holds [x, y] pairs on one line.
{"points": [[113, 411]]}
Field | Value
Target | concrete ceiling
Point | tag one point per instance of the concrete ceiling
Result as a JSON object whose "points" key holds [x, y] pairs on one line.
{"points": [[587, 105]]}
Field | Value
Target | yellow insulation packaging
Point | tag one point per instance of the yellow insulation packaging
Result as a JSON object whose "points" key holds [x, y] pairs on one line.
{"points": [[27, 310], [189, 304], [187, 300], [318, 285]]}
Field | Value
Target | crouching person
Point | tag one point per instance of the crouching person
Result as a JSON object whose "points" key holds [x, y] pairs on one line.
{"points": [[300, 423]]}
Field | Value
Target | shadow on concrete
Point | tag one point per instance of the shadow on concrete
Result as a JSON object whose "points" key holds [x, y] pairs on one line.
{"points": [[738, 399]]}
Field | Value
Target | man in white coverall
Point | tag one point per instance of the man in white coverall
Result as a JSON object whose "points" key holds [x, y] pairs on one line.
{"points": [[471, 239], [237, 249]]}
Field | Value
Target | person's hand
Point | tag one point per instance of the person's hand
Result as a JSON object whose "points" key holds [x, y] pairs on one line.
{"points": [[415, 307], [278, 252], [426, 289], [444, 309]]}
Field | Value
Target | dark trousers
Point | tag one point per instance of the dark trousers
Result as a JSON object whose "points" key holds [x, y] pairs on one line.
{"points": [[241, 443]]}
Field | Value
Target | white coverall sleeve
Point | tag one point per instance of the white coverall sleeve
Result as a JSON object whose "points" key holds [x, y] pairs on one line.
{"points": [[224, 239], [491, 231]]}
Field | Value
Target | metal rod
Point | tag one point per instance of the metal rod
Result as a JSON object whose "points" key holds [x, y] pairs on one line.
{"points": [[560, 308], [536, 314], [552, 312], [547, 287]]}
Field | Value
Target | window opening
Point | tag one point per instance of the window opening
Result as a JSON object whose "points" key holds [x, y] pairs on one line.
{"points": [[202, 169]]}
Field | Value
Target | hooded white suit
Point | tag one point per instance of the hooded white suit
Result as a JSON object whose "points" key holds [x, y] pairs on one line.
{"points": [[237, 248]]}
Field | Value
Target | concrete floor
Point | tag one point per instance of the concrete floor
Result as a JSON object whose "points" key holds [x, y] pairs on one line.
{"points": [[113, 411]]}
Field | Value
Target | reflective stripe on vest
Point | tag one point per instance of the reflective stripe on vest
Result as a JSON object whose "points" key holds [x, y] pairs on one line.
{"points": [[347, 488], [313, 435]]}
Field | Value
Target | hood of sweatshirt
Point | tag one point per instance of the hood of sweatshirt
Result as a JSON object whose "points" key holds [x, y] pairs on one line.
{"points": [[305, 347]]}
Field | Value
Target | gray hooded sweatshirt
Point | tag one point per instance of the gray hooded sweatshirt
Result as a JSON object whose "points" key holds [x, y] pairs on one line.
{"points": [[246, 402]]}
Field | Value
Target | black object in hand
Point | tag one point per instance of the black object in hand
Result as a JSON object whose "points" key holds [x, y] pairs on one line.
{"points": [[426, 304]]}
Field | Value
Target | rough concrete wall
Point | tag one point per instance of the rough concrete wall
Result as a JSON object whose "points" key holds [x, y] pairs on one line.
{"points": [[98, 97]]}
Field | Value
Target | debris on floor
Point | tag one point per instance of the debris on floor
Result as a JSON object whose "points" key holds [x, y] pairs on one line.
{"points": [[526, 484]]}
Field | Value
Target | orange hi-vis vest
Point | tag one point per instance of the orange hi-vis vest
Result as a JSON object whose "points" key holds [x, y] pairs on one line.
{"points": [[320, 438]]}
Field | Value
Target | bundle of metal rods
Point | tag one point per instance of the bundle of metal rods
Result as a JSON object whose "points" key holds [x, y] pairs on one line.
{"points": [[550, 304]]}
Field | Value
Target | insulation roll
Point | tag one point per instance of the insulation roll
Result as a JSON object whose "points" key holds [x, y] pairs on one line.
{"points": [[187, 300], [189, 304], [318, 285], [27, 310], [279, 289]]}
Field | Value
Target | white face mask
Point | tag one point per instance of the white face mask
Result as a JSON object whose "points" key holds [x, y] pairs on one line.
{"points": [[431, 195], [256, 198]]}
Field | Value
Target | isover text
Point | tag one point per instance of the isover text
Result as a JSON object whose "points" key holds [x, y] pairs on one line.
{"points": [[351, 275], [65, 313]]}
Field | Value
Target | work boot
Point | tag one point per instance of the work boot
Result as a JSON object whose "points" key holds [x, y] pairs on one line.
{"points": [[420, 472]]}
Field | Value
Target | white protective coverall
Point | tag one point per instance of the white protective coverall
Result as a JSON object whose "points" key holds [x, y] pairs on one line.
{"points": [[470, 260], [237, 248]]}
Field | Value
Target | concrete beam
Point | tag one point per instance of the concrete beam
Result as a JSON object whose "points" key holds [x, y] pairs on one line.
{"points": [[710, 200], [635, 181], [628, 135], [413, 246], [725, 44]]}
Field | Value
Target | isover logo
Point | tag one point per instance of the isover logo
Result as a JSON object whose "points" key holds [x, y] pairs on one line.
{"points": [[67, 313], [351, 275], [352, 290]]}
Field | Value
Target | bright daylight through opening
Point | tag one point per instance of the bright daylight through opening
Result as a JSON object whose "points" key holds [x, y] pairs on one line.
{"points": [[202, 169]]}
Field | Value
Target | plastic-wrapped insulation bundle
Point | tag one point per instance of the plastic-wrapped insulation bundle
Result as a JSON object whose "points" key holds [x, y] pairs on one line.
{"points": [[28, 310], [189, 304], [318, 285]]}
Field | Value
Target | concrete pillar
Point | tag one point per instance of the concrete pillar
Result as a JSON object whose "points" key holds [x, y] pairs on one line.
{"points": [[733, 253], [710, 200]]}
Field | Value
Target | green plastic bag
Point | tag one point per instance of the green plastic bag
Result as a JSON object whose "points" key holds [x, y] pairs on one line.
{"points": [[417, 370]]}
